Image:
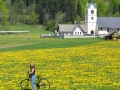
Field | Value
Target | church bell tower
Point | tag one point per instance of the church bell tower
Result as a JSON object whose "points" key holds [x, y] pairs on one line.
{"points": [[91, 17]]}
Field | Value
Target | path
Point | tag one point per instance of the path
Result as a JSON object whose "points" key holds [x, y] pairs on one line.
{"points": [[15, 45]]}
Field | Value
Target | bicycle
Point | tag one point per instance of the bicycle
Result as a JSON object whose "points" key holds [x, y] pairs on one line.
{"points": [[40, 83]]}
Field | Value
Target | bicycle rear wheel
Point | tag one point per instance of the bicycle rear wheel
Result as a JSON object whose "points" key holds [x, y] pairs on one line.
{"points": [[25, 84], [44, 83]]}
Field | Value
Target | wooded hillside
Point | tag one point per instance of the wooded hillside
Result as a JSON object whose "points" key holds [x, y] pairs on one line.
{"points": [[52, 12]]}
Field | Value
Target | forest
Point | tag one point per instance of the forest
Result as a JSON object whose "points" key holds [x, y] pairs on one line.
{"points": [[50, 13]]}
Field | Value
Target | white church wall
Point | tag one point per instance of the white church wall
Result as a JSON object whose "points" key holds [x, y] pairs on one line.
{"points": [[92, 8], [92, 19], [103, 31], [78, 31], [96, 32], [91, 27]]}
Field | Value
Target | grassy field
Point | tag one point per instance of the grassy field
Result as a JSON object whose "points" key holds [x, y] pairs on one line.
{"points": [[33, 41], [69, 64]]}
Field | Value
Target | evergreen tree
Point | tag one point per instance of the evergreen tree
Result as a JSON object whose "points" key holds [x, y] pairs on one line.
{"points": [[46, 10], [41, 11], [79, 9], [70, 11]]}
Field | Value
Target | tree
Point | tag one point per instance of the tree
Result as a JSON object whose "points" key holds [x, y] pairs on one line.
{"points": [[3, 13], [51, 25], [114, 8], [116, 35], [41, 11], [53, 8], [101, 11], [78, 20], [32, 18], [70, 11], [79, 9]]}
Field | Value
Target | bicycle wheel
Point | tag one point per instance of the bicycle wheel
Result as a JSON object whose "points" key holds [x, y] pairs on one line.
{"points": [[25, 84], [44, 83]]}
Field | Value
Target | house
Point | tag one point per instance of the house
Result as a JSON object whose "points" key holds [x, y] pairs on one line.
{"points": [[107, 25], [93, 25], [68, 29]]}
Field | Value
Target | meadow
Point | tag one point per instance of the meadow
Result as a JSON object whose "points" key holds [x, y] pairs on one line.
{"points": [[69, 64]]}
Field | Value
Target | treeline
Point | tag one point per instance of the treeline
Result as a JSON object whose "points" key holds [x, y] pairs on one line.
{"points": [[52, 12]]}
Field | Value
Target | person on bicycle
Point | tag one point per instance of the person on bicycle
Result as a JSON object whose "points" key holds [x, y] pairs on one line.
{"points": [[32, 74]]}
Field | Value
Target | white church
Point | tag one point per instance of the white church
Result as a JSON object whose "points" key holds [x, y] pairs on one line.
{"points": [[93, 25]]}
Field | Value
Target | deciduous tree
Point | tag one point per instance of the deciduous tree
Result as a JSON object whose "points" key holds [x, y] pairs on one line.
{"points": [[3, 13]]}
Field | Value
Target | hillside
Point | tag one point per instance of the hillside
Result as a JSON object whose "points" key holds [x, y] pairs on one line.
{"points": [[52, 12]]}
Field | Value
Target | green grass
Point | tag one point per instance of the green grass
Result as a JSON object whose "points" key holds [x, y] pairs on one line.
{"points": [[32, 28], [44, 43], [6, 40]]}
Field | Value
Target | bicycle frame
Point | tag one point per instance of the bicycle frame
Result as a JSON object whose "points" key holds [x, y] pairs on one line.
{"points": [[38, 83]]}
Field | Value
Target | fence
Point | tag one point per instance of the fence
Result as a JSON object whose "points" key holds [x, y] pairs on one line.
{"points": [[65, 36], [51, 36], [13, 33], [76, 36]]}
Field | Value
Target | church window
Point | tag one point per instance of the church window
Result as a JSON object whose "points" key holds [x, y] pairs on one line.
{"points": [[107, 29], [118, 30], [92, 11], [91, 18]]}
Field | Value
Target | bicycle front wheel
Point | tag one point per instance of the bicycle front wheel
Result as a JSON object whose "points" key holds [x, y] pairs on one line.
{"points": [[44, 83], [25, 84]]}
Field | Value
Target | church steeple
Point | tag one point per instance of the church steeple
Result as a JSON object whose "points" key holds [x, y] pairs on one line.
{"points": [[90, 1], [91, 17]]}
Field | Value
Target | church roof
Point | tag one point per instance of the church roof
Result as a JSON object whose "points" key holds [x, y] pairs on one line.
{"points": [[108, 22], [71, 27], [66, 27], [89, 5], [84, 27]]}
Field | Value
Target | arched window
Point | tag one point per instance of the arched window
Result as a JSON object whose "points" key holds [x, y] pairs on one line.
{"points": [[91, 18], [92, 11]]}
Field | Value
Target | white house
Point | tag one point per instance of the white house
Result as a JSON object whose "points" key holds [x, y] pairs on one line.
{"points": [[69, 29], [93, 25]]}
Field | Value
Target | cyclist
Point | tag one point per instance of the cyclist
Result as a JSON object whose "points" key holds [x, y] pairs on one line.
{"points": [[32, 74]]}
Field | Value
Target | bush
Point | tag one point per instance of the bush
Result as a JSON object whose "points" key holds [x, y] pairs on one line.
{"points": [[32, 18], [116, 35], [50, 25]]}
